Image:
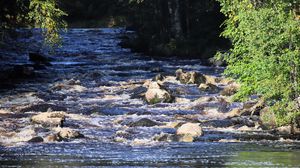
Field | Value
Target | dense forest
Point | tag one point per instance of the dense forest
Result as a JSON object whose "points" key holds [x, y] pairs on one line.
{"points": [[264, 36]]}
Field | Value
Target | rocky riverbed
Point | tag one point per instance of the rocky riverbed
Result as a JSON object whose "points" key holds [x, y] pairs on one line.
{"points": [[94, 96]]}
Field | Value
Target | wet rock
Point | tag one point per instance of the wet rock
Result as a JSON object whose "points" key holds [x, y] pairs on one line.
{"points": [[286, 130], [71, 88], [144, 122], [255, 109], [192, 129], [53, 138], [36, 140], [234, 113], [190, 77], [159, 77], [42, 108], [218, 123], [186, 138], [174, 124], [39, 59], [205, 99], [209, 88], [211, 79], [243, 121], [157, 94], [138, 92], [68, 133], [123, 134], [230, 90], [163, 137], [49, 119]]}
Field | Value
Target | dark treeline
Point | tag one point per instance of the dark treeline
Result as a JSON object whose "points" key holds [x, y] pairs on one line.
{"points": [[164, 27], [177, 27]]}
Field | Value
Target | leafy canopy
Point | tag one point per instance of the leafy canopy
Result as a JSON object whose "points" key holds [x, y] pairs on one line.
{"points": [[265, 57]]}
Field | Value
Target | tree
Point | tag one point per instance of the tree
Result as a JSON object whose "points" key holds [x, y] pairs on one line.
{"points": [[265, 57], [43, 14]]}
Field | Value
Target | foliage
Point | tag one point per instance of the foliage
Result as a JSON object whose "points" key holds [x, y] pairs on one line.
{"points": [[46, 15], [43, 14], [265, 57]]}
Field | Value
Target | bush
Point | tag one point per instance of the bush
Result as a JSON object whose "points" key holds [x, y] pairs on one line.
{"points": [[265, 57]]}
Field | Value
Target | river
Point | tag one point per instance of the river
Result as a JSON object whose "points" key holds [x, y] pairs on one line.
{"points": [[105, 75]]}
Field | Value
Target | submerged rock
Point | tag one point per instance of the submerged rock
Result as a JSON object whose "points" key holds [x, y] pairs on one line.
{"points": [[157, 94], [49, 119], [144, 122], [190, 77]]}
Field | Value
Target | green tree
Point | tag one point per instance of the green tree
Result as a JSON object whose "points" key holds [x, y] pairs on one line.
{"points": [[44, 14], [265, 57]]}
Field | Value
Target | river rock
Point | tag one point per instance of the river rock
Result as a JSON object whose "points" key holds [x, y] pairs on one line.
{"points": [[230, 90], [267, 118], [49, 119], [144, 122], [53, 138], [192, 129], [285, 130], [208, 87], [44, 107], [159, 77], [190, 77], [157, 94], [36, 140], [68, 133], [138, 92]]}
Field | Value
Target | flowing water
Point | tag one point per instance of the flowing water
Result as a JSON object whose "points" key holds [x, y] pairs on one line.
{"points": [[105, 77]]}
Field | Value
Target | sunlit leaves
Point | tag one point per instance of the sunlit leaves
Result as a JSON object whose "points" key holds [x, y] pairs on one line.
{"points": [[265, 54], [46, 15]]}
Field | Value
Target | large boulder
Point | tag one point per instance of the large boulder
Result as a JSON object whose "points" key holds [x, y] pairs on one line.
{"points": [[189, 131], [190, 77], [49, 119], [157, 94]]}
